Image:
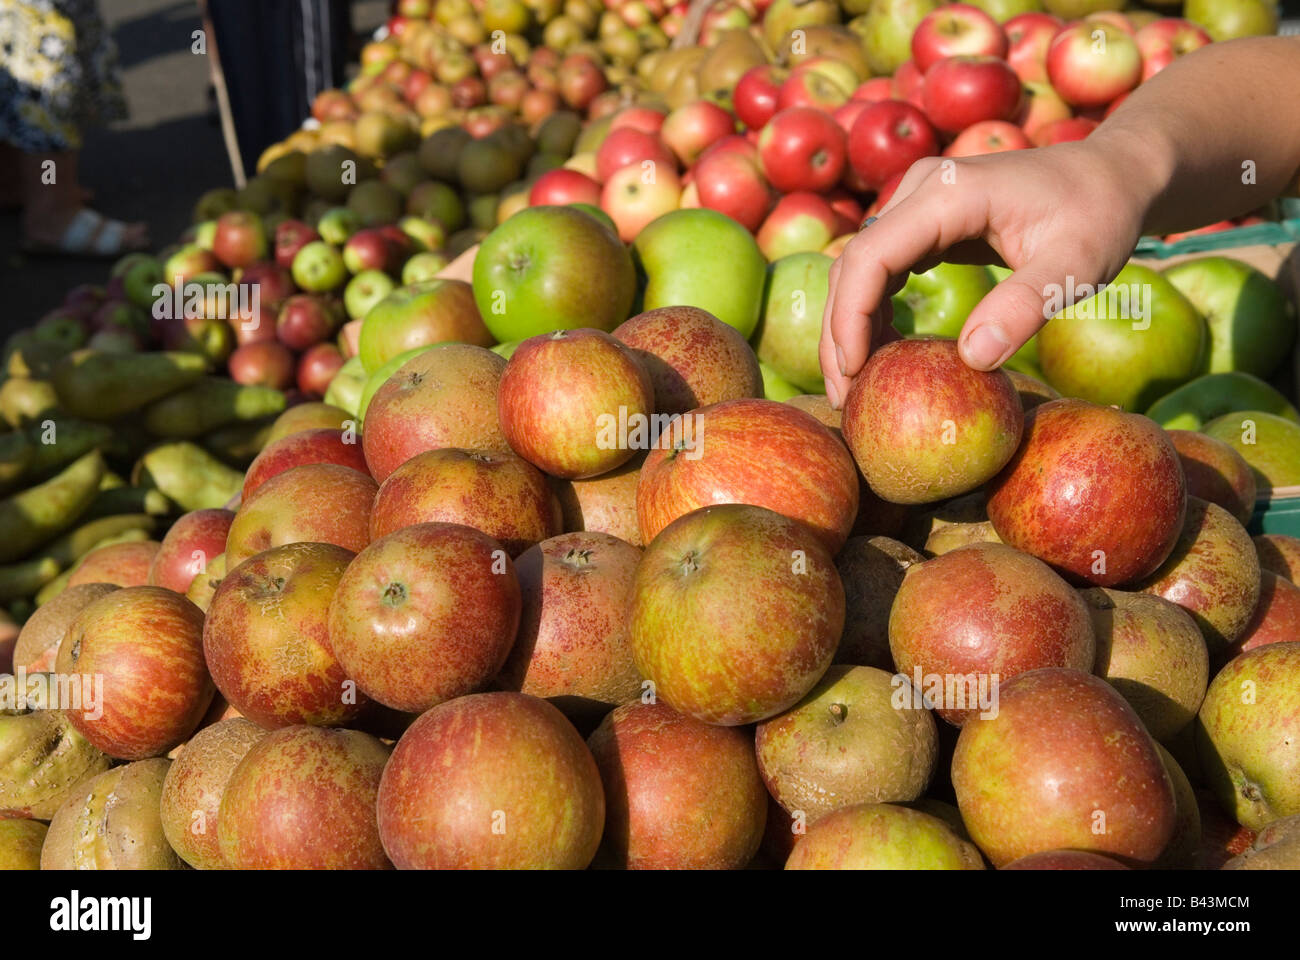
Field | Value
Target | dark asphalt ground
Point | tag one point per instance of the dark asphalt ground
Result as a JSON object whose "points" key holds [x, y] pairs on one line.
{"points": [[150, 167]]}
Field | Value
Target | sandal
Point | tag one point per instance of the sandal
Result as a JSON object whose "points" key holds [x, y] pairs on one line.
{"points": [[89, 234]]}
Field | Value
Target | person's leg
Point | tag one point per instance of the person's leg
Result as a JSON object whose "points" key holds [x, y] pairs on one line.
{"points": [[52, 197]]}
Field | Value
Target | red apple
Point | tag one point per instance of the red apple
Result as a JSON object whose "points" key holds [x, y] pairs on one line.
{"points": [[498, 493], [957, 29], [629, 145], [961, 91], [240, 239], [266, 638], [1066, 496], [307, 319], [124, 564], [810, 90], [317, 368], [536, 105], [324, 445], [752, 451], [194, 539], [731, 183], [143, 647], [274, 283], [693, 127], [887, 138], [1277, 615], [636, 194], [1091, 71], [580, 81], [261, 329], [848, 211], [1042, 105], [559, 187], [874, 90], [1064, 131], [576, 403], [909, 82], [491, 780], [846, 114], [800, 222], [264, 363], [425, 615], [1164, 40], [988, 136], [802, 149], [316, 502], [756, 94], [645, 119], [1029, 35], [369, 249], [290, 237]]}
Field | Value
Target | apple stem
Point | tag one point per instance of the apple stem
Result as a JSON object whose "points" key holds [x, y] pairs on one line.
{"points": [[839, 712]]}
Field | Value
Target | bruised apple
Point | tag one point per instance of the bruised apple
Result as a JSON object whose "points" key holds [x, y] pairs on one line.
{"points": [[1097, 493], [194, 540], [424, 615], [314, 503], [499, 493], [695, 641], [324, 445], [266, 638], [751, 451], [146, 645], [491, 781], [679, 794]]}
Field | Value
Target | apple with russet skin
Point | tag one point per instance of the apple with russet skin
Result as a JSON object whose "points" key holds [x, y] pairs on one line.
{"points": [[801, 222], [887, 138], [559, 187], [312, 415], [732, 184], [240, 239], [443, 397], [1163, 41], [942, 623], [1063, 746], [266, 637], [694, 127], [303, 798], [1029, 35], [320, 445], [315, 502], [551, 268], [1056, 498], [146, 643], [806, 474], [306, 320], [558, 395], [810, 90], [437, 311], [498, 493], [572, 643], [756, 94], [1277, 615], [194, 539], [988, 136], [1279, 554], [923, 445], [424, 615], [661, 771], [319, 268], [124, 564], [1242, 742], [628, 145], [263, 363], [684, 254], [633, 196], [961, 91], [693, 565], [1042, 106], [290, 237], [789, 332], [692, 357], [364, 291], [1064, 131], [937, 302], [468, 763], [882, 836], [317, 368], [802, 149], [1090, 72], [1216, 472], [956, 29]]}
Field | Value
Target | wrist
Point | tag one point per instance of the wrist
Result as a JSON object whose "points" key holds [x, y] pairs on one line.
{"points": [[1140, 164]]}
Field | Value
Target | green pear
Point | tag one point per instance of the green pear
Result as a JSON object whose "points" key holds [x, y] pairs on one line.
{"points": [[791, 325], [1270, 444], [239, 443], [39, 514], [208, 404], [105, 386], [1194, 404], [56, 442], [24, 401], [188, 475], [43, 762]]}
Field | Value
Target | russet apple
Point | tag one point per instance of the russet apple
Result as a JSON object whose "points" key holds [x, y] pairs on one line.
{"points": [[1216, 472], [322, 445], [882, 836], [124, 564], [1279, 554], [872, 569], [1277, 614], [194, 539], [604, 504]]}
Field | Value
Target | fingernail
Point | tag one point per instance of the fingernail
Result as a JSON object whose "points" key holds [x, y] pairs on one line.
{"points": [[986, 346], [839, 358], [832, 395]]}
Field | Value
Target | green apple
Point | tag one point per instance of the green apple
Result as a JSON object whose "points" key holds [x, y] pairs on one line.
{"points": [[1194, 404], [702, 258], [337, 225], [428, 234], [1004, 10], [365, 290], [887, 32], [507, 349], [791, 326], [139, 279], [205, 234], [435, 311], [434, 200], [1126, 346], [936, 303], [776, 387], [1024, 360], [425, 265], [592, 210], [1270, 444], [319, 268], [1078, 9], [385, 370], [1251, 328], [345, 389], [552, 268], [1229, 19]]}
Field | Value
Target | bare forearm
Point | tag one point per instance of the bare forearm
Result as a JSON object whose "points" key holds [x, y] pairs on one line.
{"points": [[1215, 135]]}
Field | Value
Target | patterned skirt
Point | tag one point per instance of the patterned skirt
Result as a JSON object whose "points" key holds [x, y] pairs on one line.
{"points": [[58, 73]]}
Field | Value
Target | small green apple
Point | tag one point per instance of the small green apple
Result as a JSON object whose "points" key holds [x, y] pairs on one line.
{"points": [[1004, 10], [701, 258], [205, 234], [1127, 345], [425, 265], [1251, 328], [345, 389], [776, 387], [1229, 19], [936, 303], [365, 290], [506, 349], [337, 225], [435, 311], [429, 235], [1194, 404], [790, 329], [1270, 444], [140, 278], [592, 210], [318, 268]]}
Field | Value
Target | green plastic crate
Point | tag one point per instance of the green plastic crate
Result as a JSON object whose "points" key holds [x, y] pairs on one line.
{"points": [[1279, 513], [1261, 234]]}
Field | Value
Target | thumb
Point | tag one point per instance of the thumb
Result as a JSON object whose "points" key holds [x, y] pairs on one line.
{"points": [[1011, 313]]}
